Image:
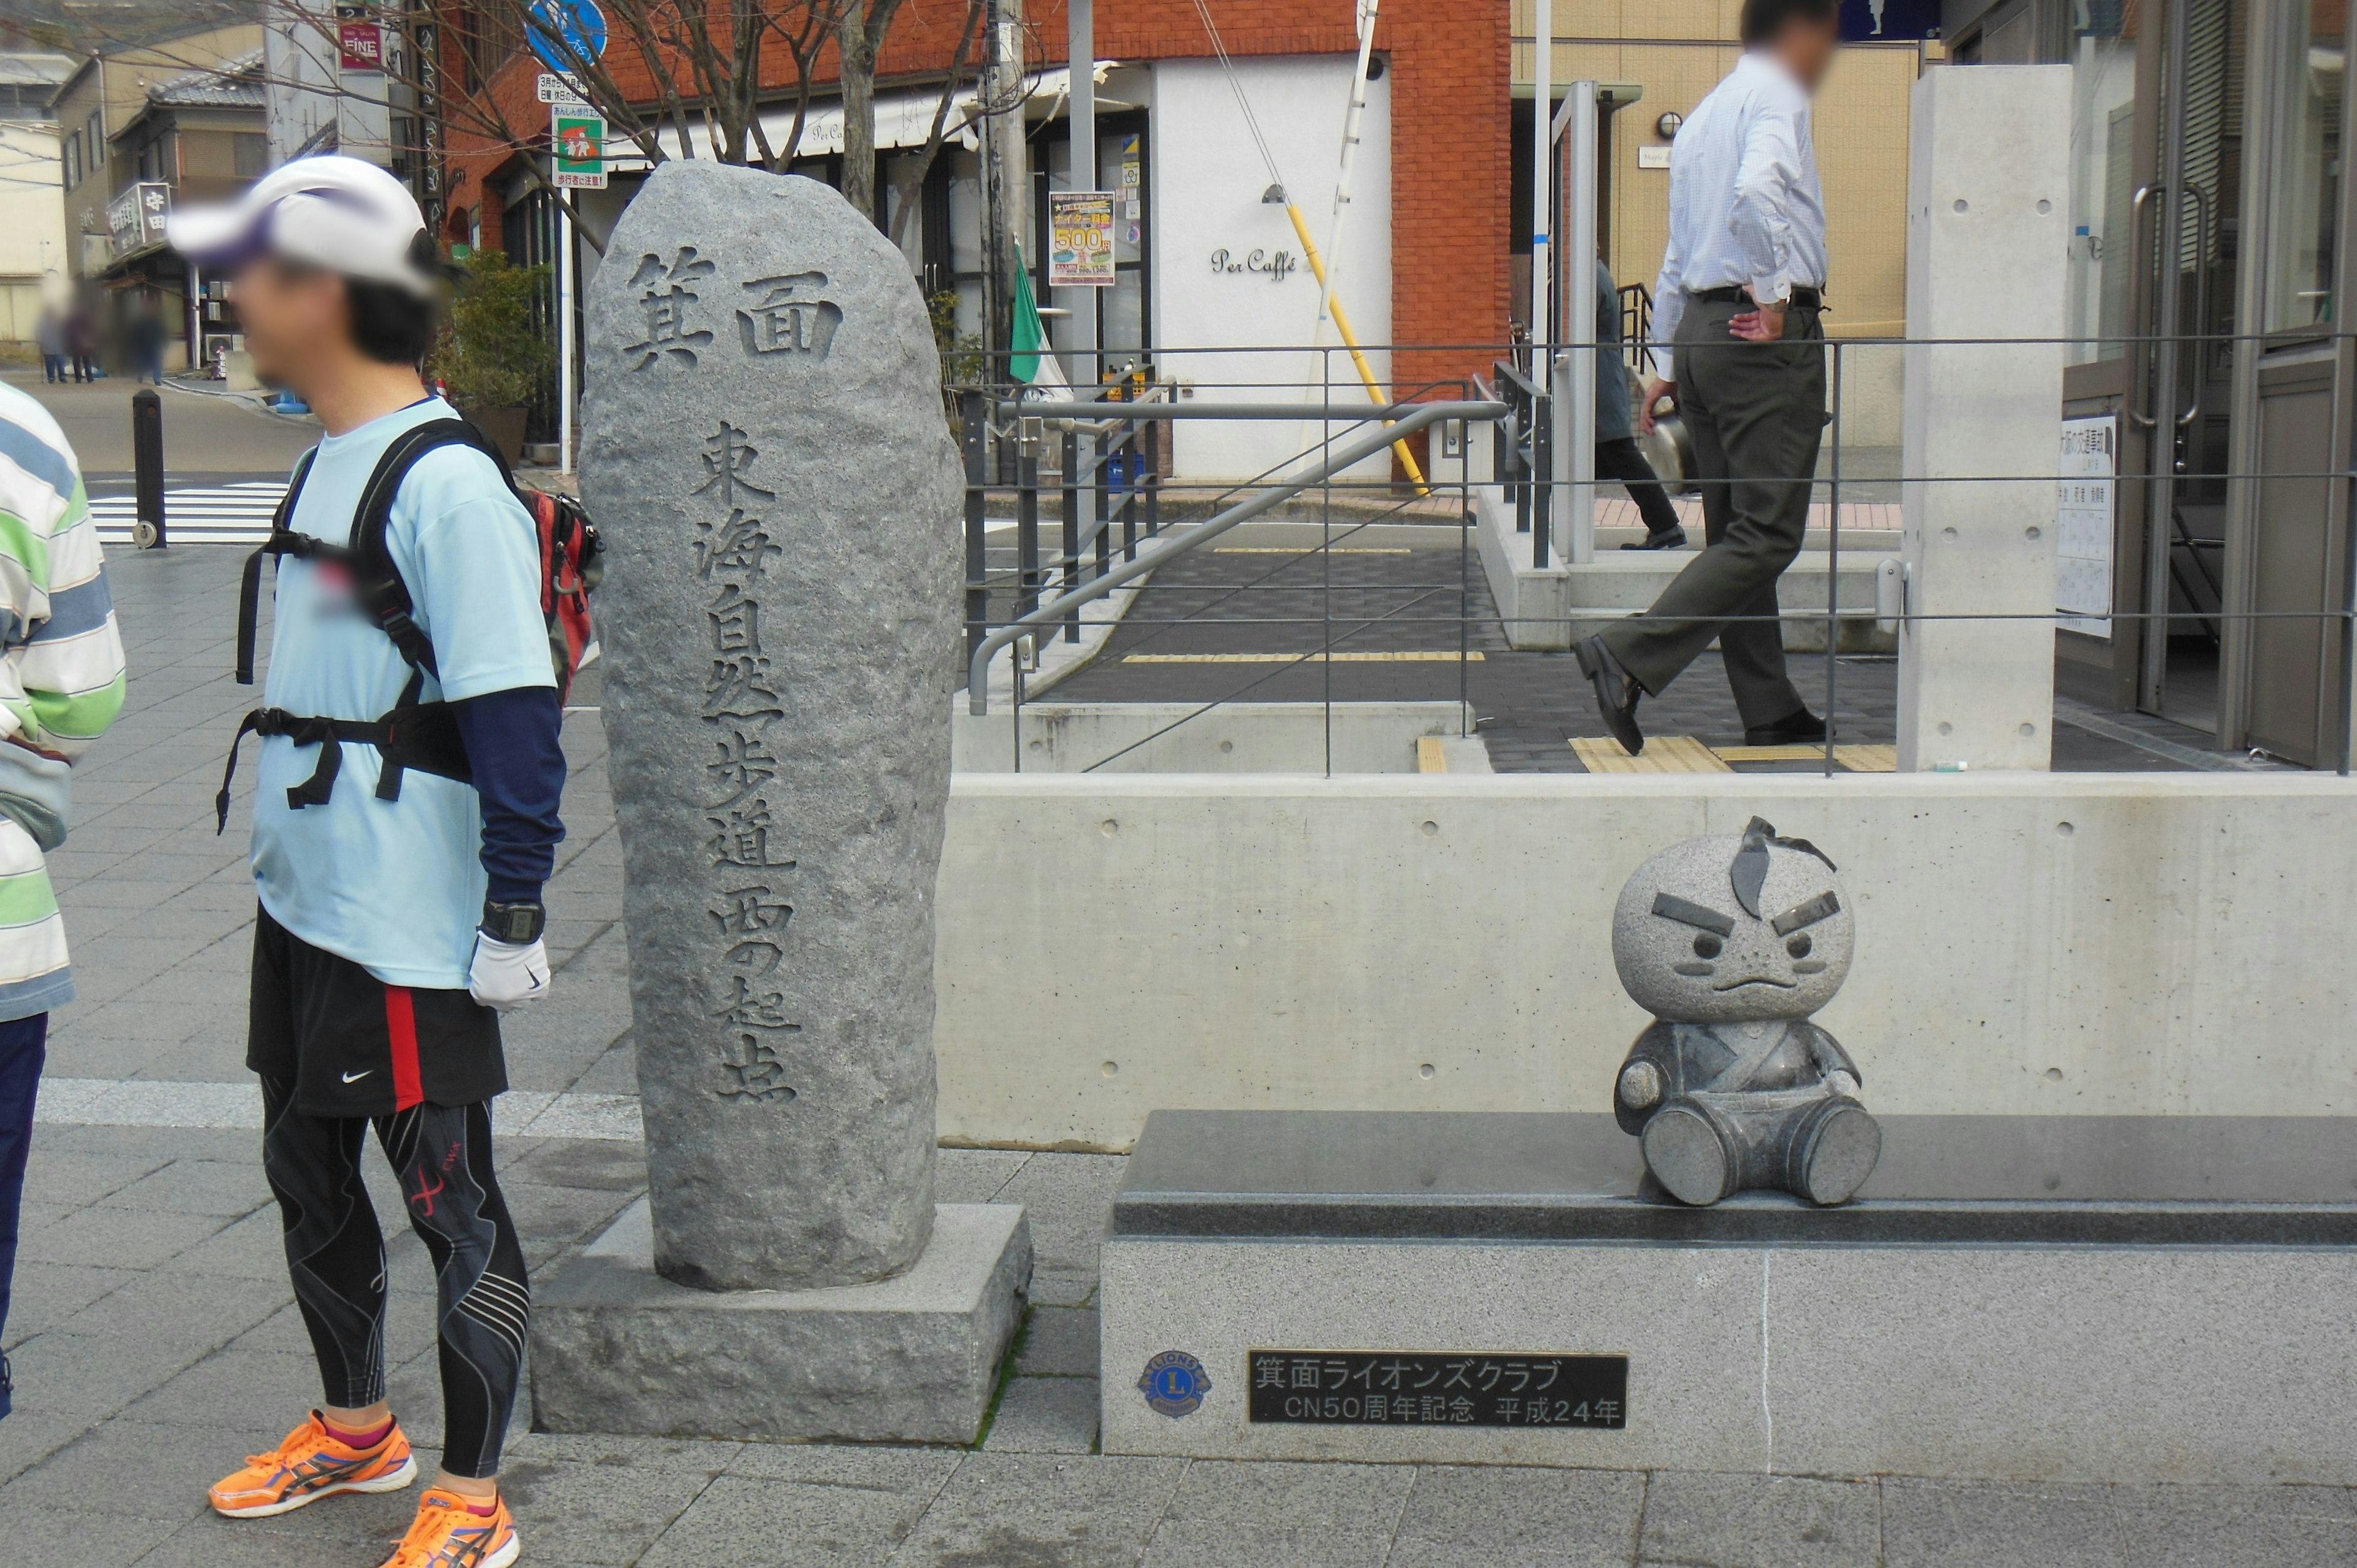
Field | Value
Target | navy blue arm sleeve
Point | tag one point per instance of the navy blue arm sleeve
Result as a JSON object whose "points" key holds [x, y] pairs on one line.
{"points": [[519, 767]]}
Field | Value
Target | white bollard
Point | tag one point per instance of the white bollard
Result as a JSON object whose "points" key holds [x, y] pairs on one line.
{"points": [[1988, 187]]}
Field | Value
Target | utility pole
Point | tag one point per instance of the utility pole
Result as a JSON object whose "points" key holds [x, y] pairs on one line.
{"points": [[1006, 175]]}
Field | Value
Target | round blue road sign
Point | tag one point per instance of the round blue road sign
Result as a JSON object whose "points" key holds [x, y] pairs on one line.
{"points": [[579, 23]]}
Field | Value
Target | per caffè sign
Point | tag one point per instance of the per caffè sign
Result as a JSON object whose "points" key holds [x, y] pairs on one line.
{"points": [[1274, 267]]}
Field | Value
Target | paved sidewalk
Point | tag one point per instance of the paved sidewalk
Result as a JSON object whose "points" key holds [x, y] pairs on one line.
{"points": [[156, 1342]]}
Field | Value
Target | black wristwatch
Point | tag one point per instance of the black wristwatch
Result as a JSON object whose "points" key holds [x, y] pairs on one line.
{"points": [[517, 924]]}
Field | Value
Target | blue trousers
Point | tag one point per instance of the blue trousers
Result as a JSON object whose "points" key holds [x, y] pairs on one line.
{"points": [[22, 1047]]}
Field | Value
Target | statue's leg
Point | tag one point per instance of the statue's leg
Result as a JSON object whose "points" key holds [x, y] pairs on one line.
{"points": [[1829, 1149], [1690, 1151]]}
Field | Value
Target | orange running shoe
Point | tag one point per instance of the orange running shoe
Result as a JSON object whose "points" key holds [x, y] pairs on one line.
{"points": [[310, 1465], [448, 1533]]}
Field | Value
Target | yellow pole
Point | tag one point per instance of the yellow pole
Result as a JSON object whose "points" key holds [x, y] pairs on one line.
{"points": [[1342, 325]]}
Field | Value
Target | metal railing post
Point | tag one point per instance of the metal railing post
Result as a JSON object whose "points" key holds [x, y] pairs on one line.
{"points": [[1832, 568], [1071, 501], [972, 422], [2349, 632], [1542, 486], [1129, 481], [1153, 481], [1027, 516]]}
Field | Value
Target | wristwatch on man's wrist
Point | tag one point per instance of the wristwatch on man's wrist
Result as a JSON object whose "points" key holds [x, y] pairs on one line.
{"points": [[516, 924]]}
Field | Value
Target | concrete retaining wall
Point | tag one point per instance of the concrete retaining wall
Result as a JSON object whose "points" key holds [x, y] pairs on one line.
{"points": [[2070, 943]]}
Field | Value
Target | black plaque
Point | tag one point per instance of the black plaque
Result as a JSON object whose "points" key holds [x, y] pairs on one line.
{"points": [[1439, 1387]]}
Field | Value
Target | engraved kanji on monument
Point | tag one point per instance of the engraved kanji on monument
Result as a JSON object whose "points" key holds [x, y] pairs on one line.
{"points": [[764, 450]]}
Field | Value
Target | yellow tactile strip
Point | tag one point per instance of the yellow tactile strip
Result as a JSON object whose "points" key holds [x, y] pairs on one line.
{"points": [[1684, 754], [1663, 754], [1431, 756]]}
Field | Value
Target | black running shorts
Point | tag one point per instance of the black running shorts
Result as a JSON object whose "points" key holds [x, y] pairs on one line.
{"points": [[352, 1044]]}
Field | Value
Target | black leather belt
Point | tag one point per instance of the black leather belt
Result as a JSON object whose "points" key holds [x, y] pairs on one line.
{"points": [[1735, 294]]}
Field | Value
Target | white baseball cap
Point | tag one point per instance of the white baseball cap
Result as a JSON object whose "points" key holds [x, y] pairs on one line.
{"points": [[331, 211]]}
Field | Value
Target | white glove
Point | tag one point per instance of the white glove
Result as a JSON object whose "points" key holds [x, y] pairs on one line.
{"points": [[505, 975]]}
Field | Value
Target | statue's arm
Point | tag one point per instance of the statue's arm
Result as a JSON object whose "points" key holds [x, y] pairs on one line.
{"points": [[1648, 1077], [1831, 1059]]}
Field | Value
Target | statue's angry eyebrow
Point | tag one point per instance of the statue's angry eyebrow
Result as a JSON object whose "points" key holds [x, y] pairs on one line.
{"points": [[1670, 907], [1823, 906]]}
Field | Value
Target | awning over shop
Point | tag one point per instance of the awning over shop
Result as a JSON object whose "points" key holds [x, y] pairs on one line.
{"points": [[902, 119]]}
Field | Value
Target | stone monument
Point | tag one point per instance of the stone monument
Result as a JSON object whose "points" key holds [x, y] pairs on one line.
{"points": [[1732, 942], [765, 452]]}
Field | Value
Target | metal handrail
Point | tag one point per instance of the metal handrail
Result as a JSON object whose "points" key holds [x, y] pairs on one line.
{"points": [[1404, 420]]}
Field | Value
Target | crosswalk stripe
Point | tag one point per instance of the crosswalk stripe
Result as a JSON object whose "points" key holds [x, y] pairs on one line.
{"points": [[236, 513]]}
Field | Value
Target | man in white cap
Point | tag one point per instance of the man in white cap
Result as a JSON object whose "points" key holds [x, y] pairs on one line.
{"points": [[405, 820]]}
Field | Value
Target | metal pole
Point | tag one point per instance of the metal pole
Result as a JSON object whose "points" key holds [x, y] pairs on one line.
{"points": [[2348, 715], [1027, 518], [1832, 567], [974, 419], [1576, 415], [1071, 477], [2160, 510], [566, 346], [147, 462], [1542, 315], [1080, 27]]}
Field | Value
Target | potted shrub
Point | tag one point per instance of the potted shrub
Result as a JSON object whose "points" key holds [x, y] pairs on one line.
{"points": [[495, 357]]}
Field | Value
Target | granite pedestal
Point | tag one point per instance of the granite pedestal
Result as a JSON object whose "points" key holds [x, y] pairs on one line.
{"points": [[617, 1348], [2064, 1298]]}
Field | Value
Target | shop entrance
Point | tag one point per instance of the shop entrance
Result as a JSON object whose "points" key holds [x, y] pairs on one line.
{"points": [[2207, 193]]}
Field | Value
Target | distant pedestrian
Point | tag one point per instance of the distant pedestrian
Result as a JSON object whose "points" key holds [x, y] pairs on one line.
{"points": [[147, 338], [60, 686], [49, 334], [81, 342], [1618, 456], [1740, 296]]}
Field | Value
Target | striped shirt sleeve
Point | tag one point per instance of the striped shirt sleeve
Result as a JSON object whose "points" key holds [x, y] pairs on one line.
{"points": [[62, 664]]}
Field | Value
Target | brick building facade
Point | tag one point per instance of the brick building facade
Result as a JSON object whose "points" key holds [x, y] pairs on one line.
{"points": [[1448, 66]]}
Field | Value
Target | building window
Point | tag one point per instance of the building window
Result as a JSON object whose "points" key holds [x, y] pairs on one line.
{"points": [[251, 149], [70, 164], [93, 145]]}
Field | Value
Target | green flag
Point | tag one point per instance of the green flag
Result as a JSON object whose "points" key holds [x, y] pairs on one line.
{"points": [[1033, 360]]}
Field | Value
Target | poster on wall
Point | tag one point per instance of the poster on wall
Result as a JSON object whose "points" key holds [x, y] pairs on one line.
{"points": [[2083, 519], [580, 144], [1080, 246]]}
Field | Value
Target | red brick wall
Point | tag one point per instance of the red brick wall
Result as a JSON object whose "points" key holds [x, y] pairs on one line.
{"points": [[1450, 67]]}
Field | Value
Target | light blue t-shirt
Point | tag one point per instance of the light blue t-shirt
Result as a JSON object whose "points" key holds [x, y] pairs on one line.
{"points": [[394, 886]]}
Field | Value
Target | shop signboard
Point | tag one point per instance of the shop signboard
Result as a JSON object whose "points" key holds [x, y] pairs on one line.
{"points": [[137, 215], [1080, 231], [359, 40], [579, 139]]}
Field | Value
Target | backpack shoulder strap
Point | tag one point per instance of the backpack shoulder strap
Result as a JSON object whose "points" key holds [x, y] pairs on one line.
{"points": [[249, 596], [376, 580]]}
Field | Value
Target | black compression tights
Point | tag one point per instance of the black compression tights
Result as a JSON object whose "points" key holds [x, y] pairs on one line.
{"points": [[442, 1155]]}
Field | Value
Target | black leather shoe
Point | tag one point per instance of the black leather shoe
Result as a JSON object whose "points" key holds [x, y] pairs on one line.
{"points": [[1676, 539], [1616, 694], [1800, 727]]}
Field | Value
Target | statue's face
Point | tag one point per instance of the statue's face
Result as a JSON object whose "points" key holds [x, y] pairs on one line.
{"points": [[1733, 929]]}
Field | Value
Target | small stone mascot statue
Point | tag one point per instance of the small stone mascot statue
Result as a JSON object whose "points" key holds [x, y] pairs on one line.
{"points": [[1731, 943]]}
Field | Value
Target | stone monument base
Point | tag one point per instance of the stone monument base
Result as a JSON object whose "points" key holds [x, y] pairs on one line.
{"points": [[2100, 1299], [617, 1348]]}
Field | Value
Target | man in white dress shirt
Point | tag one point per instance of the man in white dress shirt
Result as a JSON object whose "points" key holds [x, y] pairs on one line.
{"points": [[1739, 297]]}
